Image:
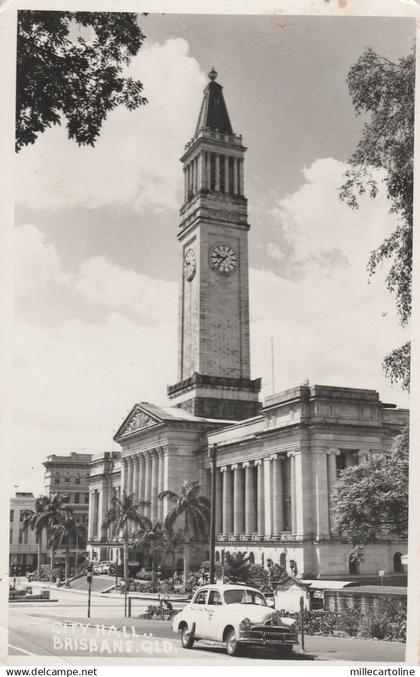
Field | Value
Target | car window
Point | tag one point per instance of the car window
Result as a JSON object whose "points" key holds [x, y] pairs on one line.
{"points": [[200, 597], [214, 597], [244, 597]]}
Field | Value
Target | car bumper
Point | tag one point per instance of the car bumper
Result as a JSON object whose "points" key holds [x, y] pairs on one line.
{"points": [[265, 636]]}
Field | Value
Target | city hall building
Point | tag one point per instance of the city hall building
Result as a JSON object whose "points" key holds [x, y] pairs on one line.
{"points": [[277, 461]]}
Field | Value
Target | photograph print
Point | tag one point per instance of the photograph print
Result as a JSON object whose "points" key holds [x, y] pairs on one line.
{"points": [[213, 249]]}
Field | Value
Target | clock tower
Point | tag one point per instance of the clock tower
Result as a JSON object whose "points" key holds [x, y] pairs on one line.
{"points": [[213, 344]]}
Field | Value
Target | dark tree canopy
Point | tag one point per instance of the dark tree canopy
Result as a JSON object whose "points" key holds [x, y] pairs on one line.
{"points": [[371, 499], [384, 92], [61, 74]]}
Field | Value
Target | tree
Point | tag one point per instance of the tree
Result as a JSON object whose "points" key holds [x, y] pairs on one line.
{"points": [[78, 78], [370, 500], [123, 511], [49, 511], [384, 90], [237, 567], [155, 542], [195, 511], [67, 532]]}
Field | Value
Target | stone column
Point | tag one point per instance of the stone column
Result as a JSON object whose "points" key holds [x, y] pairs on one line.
{"points": [[278, 519], [238, 500], [226, 158], [130, 462], [260, 496], [332, 478], [124, 475], [319, 465], [136, 473], [91, 513], [227, 500], [165, 480], [95, 533], [161, 482], [217, 171], [241, 177], [154, 489], [147, 483], [268, 498], [299, 496], [235, 176], [249, 499], [202, 170], [219, 501], [292, 493]]}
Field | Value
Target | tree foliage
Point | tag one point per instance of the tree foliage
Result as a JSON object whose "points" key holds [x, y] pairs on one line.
{"points": [[237, 567], [384, 92], [370, 500], [79, 77]]}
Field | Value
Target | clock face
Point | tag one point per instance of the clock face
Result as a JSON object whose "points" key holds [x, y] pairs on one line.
{"points": [[189, 264], [223, 258]]}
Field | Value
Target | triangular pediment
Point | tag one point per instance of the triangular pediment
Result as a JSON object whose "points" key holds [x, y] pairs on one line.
{"points": [[137, 420]]}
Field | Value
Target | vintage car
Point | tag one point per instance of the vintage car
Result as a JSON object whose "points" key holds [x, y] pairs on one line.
{"points": [[236, 615]]}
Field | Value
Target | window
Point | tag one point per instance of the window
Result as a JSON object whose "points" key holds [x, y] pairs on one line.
{"points": [[214, 597], [21, 515], [67, 479], [25, 535], [244, 597], [86, 498], [340, 461], [77, 497], [77, 480], [20, 535], [12, 514], [56, 479], [200, 597], [11, 536]]}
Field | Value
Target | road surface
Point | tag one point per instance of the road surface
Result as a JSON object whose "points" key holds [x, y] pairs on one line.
{"points": [[62, 629]]}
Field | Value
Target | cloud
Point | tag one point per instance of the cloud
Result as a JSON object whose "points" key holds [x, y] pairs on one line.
{"points": [[105, 283], [324, 233], [136, 159], [36, 263], [329, 322]]}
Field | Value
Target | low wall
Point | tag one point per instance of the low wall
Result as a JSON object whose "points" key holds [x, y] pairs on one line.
{"points": [[362, 600]]}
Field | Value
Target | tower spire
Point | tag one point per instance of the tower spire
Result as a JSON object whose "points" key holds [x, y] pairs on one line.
{"points": [[213, 112]]}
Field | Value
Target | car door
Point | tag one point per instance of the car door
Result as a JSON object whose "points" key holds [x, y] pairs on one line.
{"points": [[213, 616], [197, 612]]}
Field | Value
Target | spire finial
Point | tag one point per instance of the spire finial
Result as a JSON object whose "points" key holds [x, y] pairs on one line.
{"points": [[213, 74]]}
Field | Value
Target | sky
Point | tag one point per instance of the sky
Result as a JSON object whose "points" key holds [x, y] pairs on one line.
{"points": [[97, 262]]}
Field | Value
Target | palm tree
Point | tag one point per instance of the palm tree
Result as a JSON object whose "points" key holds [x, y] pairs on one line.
{"points": [[65, 532], [49, 511], [195, 510], [122, 511], [155, 542]]}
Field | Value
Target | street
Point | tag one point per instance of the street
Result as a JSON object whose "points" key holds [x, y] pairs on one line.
{"points": [[61, 628]]}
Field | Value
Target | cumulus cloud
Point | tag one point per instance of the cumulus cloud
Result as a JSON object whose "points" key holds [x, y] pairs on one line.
{"points": [[136, 159], [36, 263], [329, 323]]}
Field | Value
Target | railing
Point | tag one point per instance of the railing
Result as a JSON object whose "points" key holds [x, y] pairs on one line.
{"points": [[284, 536]]}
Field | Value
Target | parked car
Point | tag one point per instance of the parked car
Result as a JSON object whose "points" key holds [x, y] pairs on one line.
{"points": [[236, 615], [104, 567]]}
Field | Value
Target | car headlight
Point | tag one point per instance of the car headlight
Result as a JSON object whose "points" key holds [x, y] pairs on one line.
{"points": [[245, 624]]}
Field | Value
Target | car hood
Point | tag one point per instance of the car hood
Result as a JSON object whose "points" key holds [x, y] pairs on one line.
{"points": [[255, 612]]}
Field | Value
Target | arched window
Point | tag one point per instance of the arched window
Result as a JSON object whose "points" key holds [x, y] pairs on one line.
{"points": [[283, 560], [217, 556], [251, 558], [398, 566]]}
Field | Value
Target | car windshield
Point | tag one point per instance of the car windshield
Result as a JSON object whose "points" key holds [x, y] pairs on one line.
{"points": [[244, 596]]}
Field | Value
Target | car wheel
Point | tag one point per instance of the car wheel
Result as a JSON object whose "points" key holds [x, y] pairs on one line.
{"points": [[187, 639], [232, 644]]}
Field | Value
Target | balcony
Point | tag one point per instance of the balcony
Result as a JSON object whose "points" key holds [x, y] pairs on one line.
{"points": [[283, 537]]}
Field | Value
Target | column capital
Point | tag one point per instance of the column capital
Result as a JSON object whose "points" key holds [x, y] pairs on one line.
{"points": [[333, 452], [224, 468], [291, 454], [274, 457], [258, 462], [246, 464], [235, 466]]}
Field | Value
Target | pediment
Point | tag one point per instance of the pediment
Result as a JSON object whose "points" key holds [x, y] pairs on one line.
{"points": [[136, 421]]}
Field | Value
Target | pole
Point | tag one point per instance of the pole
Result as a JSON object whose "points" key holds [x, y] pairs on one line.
{"points": [[302, 632], [89, 576], [223, 566], [213, 452]]}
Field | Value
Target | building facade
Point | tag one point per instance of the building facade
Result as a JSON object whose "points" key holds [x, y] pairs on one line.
{"points": [[23, 544], [277, 462], [70, 475]]}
